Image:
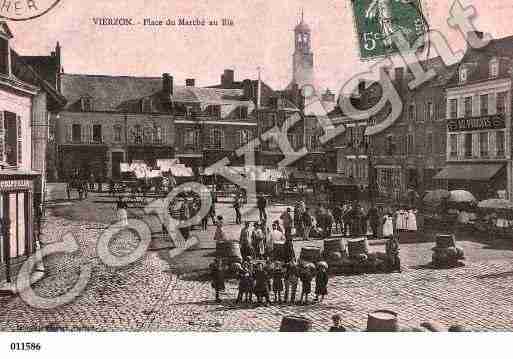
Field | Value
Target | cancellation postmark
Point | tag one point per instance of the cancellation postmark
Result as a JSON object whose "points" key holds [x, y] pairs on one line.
{"points": [[20, 10]]}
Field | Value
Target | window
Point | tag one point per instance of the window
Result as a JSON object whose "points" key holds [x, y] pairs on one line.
{"points": [[148, 134], [390, 145], [453, 141], [138, 134], [244, 137], [463, 73], [501, 102], [97, 133], [4, 56], [494, 68], [117, 133], [158, 136], [429, 143], [483, 144], [146, 105], [86, 104], [468, 145], [484, 105], [411, 112], [468, 106], [216, 138], [499, 140], [410, 144], [214, 110], [243, 112], [191, 139], [430, 111], [453, 108], [76, 133]]}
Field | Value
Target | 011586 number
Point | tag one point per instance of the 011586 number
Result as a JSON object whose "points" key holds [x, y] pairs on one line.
{"points": [[25, 346]]}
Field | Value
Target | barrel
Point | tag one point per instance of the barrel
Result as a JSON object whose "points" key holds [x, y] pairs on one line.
{"points": [[295, 324], [445, 241], [310, 254], [228, 249], [356, 246], [333, 245], [279, 250], [154, 224], [382, 321]]}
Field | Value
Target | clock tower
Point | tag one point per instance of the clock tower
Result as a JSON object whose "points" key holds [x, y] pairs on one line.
{"points": [[302, 72]]}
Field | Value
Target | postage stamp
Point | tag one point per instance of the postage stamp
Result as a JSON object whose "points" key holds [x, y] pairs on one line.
{"points": [[19, 10], [376, 20]]}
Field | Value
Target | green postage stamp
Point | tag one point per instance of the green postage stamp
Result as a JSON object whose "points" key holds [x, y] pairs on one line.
{"points": [[377, 20]]}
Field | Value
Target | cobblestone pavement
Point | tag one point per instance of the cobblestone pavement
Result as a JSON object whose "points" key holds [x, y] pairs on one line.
{"points": [[145, 296]]}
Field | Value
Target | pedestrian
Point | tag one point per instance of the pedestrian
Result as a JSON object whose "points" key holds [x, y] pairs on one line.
{"points": [[262, 204], [257, 240], [261, 284], [328, 223], [306, 277], [245, 241], [236, 206], [291, 281], [212, 211], [121, 208], [217, 278], [346, 218], [184, 216], [286, 220], [307, 223], [219, 234], [392, 253], [275, 236], [278, 282], [321, 282], [337, 325], [388, 225], [91, 181], [373, 218], [337, 216], [288, 250], [245, 284], [298, 219]]}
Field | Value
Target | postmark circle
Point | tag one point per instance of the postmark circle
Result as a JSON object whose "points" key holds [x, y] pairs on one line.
{"points": [[22, 10]]}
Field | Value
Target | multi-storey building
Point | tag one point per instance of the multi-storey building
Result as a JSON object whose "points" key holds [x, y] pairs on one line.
{"points": [[479, 122]]}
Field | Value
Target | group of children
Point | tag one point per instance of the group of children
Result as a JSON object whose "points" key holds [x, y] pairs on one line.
{"points": [[260, 279]]}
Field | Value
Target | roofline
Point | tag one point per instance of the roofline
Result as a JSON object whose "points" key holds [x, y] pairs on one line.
{"points": [[111, 76]]}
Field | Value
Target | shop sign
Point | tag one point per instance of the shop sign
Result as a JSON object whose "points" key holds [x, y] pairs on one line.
{"points": [[476, 123], [15, 184]]}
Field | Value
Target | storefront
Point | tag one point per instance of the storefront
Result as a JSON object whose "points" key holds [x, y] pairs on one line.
{"points": [[17, 237]]}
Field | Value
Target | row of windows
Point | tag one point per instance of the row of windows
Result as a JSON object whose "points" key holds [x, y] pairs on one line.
{"points": [[484, 145], [493, 70], [484, 105], [216, 138], [136, 134], [430, 112], [405, 145]]}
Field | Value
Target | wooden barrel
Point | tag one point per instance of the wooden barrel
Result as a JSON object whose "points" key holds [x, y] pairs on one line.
{"points": [[333, 245], [228, 249], [357, 246], [310, 254], [154, 224], [382, 321], [295, 324], [279, 250], [445, 240]]}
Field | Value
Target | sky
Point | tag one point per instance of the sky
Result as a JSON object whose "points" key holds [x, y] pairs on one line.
{"points": [[262, 36]]}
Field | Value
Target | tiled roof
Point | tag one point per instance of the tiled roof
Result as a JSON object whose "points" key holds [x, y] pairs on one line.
{"points": [[46, 66]]}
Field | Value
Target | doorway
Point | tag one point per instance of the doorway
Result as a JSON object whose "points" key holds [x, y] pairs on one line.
{"points": [[117, 158]]}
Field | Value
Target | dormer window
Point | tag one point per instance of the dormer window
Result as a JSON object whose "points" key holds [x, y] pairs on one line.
{"points": [[5, 51], [494, 67], [86, 104], [463, 74]]}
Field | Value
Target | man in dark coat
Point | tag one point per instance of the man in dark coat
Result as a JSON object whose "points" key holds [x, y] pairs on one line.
{"points": [[262, 204], [217, 277], [373, 217]]}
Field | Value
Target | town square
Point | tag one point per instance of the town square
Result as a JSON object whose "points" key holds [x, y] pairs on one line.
{"points": [[157, 192]]}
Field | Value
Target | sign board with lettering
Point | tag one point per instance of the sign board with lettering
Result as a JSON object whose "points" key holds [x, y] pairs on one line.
{"points": [[376, 20], [495, 122], [15, 185]]}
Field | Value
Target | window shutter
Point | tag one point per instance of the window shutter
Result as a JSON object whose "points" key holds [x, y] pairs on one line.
{"points": [[2, 137], [68, 133], [89, 133], [102, 132], [20, 140]]}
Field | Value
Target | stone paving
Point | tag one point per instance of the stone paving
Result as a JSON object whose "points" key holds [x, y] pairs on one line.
{"points": [[146, 296]]}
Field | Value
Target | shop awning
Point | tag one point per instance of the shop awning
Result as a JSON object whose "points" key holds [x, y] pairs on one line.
{"points": [[471, 172]]}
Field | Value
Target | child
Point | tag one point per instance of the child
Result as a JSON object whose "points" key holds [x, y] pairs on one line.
{"points": [[245, 284], [321, 282], [306, 283], [261, 284], [291, 279], [392, 252], [217, 277], [277, 282]]}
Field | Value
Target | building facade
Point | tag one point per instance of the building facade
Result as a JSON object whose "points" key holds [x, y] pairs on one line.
{"points": [[479, 122]]}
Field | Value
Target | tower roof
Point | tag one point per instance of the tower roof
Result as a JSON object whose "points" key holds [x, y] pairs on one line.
{"points": [[302, 26]]}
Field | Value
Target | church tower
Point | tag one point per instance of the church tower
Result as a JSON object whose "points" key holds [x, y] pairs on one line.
{"points": [[302, 73]]}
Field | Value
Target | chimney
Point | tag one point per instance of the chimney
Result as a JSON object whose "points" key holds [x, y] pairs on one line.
{"points": [[190, 82], [247, 88], [167, 84], [227, 77]]}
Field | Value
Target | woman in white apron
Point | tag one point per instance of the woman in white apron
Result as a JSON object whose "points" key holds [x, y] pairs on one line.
{"points": [[388, 225], [412, 220]]}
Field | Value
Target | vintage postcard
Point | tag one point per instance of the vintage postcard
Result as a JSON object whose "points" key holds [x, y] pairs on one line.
{"points": [[234, 166]]}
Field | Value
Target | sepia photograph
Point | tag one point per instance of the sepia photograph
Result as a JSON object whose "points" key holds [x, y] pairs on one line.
{"points": [[241, 167]]}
